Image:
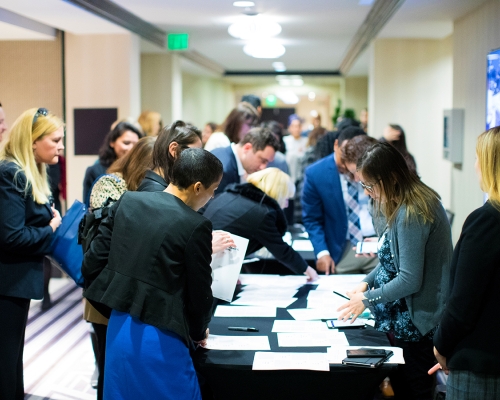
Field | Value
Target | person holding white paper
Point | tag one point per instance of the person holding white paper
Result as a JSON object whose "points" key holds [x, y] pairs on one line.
{"points": [[254, 210]]}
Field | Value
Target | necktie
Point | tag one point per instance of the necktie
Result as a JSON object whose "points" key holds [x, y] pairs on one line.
{"points": [[353, 209]]}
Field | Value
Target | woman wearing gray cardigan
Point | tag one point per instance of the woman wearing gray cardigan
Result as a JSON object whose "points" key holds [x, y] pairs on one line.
{"points": [[408, 289]]}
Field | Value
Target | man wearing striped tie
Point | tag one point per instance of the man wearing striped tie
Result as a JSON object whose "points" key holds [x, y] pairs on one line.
{"points": [[335, 211]]}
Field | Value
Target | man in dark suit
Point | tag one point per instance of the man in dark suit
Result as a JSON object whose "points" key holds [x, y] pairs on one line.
{"points": [[328, 187], [250, 155]]}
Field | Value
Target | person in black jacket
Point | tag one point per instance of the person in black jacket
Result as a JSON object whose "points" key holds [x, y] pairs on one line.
{"points": [[172, 140], [154, 272], [116, 144], [27, 225], [466, 342], [254, 210]]}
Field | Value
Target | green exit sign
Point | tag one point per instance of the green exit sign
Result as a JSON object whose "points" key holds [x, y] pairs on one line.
{"points": [[177, 41]]}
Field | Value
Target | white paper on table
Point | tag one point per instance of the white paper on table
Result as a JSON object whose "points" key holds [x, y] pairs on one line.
{"points": [[337, 353], [302, 245], [245, 311], [340, 283], [250, 279], [312, 339], [310, 314], [226, 268], [326, 303], [299, 326], [266, 293], [348, 324], [278, 361], [218, 342], [278, 303]]}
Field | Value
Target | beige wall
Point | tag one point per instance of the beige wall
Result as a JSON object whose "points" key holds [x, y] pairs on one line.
{"points": [[410, 85], [474, 36], [161, 85], [206, 99], [356, 93], [101, 71], [31, 76]]}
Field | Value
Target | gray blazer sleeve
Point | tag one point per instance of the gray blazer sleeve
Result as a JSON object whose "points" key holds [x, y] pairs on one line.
{"points": [[408, 239]]}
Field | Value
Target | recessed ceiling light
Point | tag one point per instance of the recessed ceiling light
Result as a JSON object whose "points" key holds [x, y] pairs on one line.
{"points": [[287, 96], [279, 66], [254, 28], [264, 49], [243, 4], [312, 96]]}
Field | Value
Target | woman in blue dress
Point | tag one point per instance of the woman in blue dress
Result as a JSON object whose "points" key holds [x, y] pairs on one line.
{"points": [[408, 289], [150, 263]]}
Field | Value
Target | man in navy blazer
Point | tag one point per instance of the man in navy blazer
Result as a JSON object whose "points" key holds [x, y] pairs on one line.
{"points": [[324, 212], [250, 155]]}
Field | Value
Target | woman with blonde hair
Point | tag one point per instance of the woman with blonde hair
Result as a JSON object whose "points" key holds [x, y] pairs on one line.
{"points": [[466, 342], [254, 210], [150, 122], [27, 225]]}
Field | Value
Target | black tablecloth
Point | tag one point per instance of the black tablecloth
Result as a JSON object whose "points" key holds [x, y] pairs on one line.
{"points": [[230, 376]]}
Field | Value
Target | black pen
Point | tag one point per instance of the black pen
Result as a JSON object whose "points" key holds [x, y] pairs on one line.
{"points": [[242, 328], [341, 295]]}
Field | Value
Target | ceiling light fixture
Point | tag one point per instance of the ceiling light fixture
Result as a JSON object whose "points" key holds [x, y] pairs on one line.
{"points": [[290, 80], [254, 28], [264, 49], [279, 66], [287, 97], [243, 4]]}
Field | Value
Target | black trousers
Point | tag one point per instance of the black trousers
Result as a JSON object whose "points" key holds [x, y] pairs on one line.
{"points": [[412, 382], [13, 318], [100, 331]]}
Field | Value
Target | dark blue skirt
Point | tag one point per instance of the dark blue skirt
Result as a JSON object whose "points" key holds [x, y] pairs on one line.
{"points": [[145, 362]]}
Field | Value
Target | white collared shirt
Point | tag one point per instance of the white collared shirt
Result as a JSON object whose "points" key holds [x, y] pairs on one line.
{"points": [[241, 171]]}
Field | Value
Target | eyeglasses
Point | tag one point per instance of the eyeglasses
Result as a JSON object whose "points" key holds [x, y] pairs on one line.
{"points": [[367, 187], [40, 111]]}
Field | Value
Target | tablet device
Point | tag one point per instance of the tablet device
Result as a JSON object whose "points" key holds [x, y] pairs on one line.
{"points": [[364, 352], [336, 324], [367, 362]]}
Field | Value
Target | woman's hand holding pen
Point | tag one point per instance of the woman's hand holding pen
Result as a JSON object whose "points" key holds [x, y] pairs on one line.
{"points": [[221, 241], [203, 342], [55, 222], [353, 308]]}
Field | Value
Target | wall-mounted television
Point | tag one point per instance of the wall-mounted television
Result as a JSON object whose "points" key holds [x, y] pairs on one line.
{"points": [[493, 89]]}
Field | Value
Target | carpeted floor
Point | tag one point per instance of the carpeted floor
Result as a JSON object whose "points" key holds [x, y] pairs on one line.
{"points": [[58, 356]]}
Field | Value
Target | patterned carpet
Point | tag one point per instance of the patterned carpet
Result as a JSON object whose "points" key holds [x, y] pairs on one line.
{"points": [[58, 356]]}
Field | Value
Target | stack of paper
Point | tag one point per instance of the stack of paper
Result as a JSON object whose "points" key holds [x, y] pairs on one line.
{"points": [[216, 342], [312, 339], [245, 311], [311, 314], [278, 361], [299, 326]]}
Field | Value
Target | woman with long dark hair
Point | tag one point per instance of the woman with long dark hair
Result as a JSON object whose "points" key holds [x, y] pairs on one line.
{"points": [[395, 136], [116, 144], [408, 289]]}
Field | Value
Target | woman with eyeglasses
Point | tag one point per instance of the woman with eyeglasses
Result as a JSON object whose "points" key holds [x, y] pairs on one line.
{"points": [[466, 343], [116, 144], [27, 225], [408, 289]]}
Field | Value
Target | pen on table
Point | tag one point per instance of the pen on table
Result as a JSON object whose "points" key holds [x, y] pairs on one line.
{"points": [[341, 295], [434, 369], [242, 328]]}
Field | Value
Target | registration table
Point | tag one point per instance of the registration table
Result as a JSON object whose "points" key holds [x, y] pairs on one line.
{"points": [[230, 374]]}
